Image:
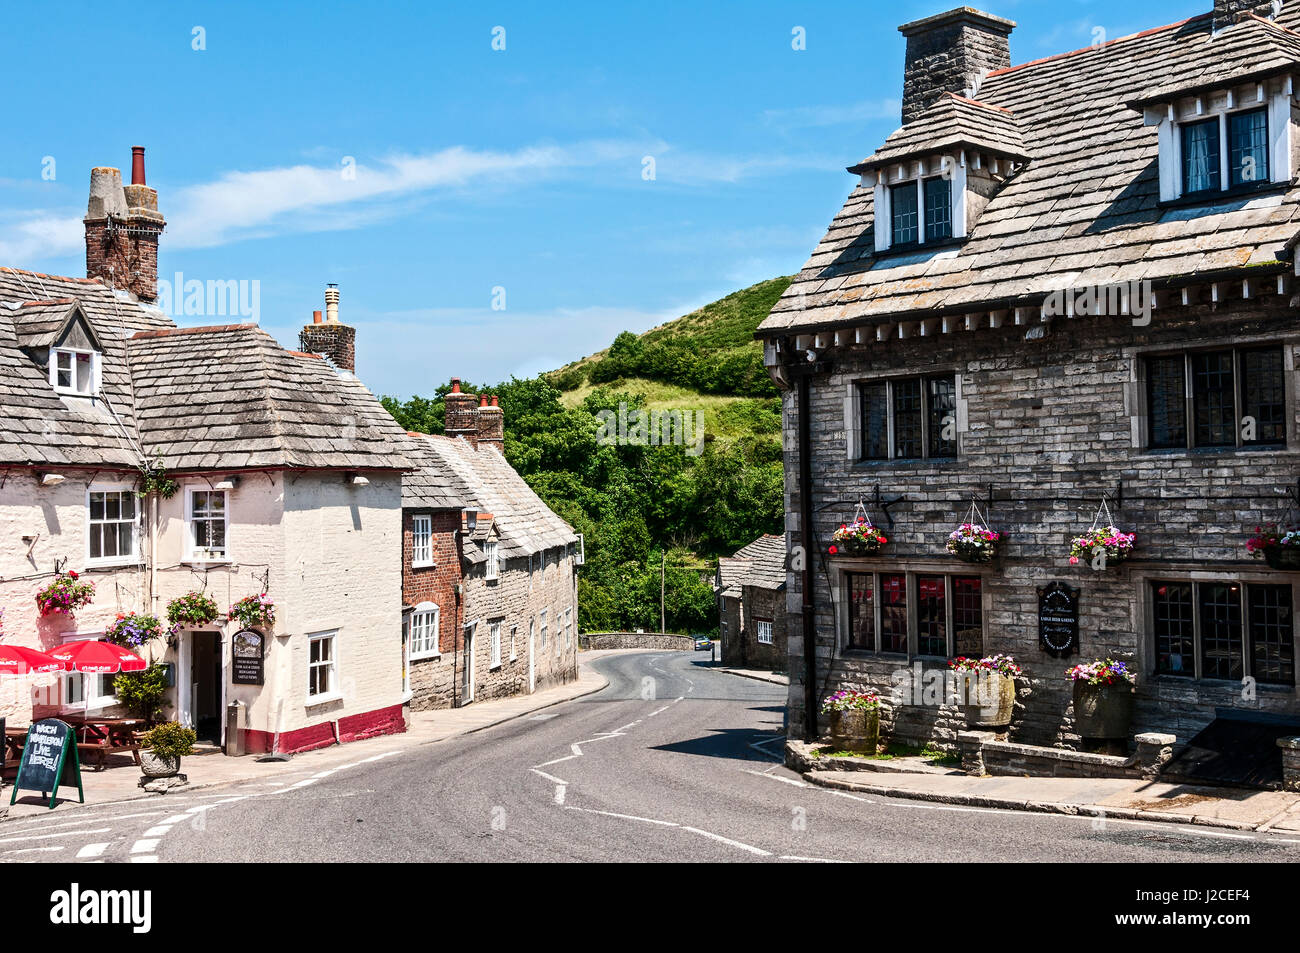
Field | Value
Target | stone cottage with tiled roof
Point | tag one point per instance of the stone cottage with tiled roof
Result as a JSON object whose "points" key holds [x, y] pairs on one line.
{"points": [[489, 571], [1065, 292], [750, 586], [287, 477]]}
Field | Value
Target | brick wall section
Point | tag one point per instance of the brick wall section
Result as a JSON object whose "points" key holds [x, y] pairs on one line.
{"points": [[431, 680], [1049, 424], [336, 341], [947, 57], [125, 259]]}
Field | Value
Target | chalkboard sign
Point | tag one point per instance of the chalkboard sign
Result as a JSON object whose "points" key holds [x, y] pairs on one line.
{"points": [[246, 653], [49, 760], [1058, 619]]}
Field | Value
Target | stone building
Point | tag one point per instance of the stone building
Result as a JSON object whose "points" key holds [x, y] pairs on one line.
{"points": [[1060, 284], [751, 605], [489, 580], [287, 477]]}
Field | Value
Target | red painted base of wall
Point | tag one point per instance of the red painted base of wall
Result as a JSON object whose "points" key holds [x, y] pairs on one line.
{"points": [[371, 724]]}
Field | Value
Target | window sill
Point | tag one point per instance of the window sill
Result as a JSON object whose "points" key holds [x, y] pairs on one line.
{"points": [[494, 668], [915, 463], [112, 563], [916, 248], [1227, 196], [314, 700], [201, 561], [426, 656], [1192, 453], [423, 565]]}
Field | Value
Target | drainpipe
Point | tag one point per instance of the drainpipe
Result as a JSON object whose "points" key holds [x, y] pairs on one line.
{"points": [[153, 554]]}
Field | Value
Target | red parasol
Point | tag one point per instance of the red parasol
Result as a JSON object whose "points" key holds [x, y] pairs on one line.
{"points": [[93, 657], [19, 660]]}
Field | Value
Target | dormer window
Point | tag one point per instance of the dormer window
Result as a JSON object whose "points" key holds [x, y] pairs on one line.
{"points": [[934, 196], [73, 371], [1203, 155]]}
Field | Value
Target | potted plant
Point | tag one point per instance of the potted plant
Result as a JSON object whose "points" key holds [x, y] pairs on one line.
{"points": [[859, 538], [1280, 550], [973, 543], [162, 748], [1102, 546], [142, 693], [192, 609], [254, 612], [1103, 699], [66, 594], [854, 719], [989, 690], [133, 629]]}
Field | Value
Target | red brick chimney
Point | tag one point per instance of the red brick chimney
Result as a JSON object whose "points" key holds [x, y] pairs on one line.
{"points": [[331, 337], [462, 416], [122, 228], [491, 424]]}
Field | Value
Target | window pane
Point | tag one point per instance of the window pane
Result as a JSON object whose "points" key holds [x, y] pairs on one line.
{"points": [[968, 616], [1172, 611], [893, 614], [903, 204], [125, 542], [938, 210], [128, 506], [1248, 147], [1166, 390], [96, 542], [1221, 650], [942, 400], [875, 422], [1272, 635], [1213, 408], [112, 506], [97, 506], [217, 535], [83, 373], [315, 650], [862, 613], [1201, 156], [931, 616], [1263, 396], [907, 419], [200, 503]]}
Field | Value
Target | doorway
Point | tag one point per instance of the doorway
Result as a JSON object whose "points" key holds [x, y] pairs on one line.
{"points": [[467, 688], [532, 651], [202, 678]]}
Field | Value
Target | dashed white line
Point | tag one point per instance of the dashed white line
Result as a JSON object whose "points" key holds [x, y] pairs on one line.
{"points": [[92, 850], [14, 840], [144, 846], [728, 841], [623, 817]]}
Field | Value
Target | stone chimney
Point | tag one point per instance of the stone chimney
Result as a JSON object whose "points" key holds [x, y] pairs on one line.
{"points": [[1226, 12], [122, 228], [462, 415], [491, 424], [331, 337], [951, 53]]}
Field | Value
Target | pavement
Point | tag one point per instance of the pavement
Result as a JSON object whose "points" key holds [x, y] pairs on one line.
{"points": [[672, 760]]}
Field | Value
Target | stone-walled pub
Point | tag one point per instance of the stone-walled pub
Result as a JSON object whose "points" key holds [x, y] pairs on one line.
{"points": [[1064, 291]]}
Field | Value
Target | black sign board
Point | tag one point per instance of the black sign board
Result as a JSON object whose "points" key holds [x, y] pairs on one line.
{"points": [[246, 654], [1058, 619], [49, 760]]}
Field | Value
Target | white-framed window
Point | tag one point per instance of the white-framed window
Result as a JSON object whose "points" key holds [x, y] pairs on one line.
{"points": [[514, 632], [424, 627], [763, 627], [568, 627], [542, 617], [87, 692], [495, 629], [493, 570], [113, 525], [922, 202], [206, 519], [421, 541], [580, 552], [74, 371], [322, 667]]}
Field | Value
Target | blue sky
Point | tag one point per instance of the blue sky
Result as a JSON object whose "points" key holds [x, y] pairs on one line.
{"points": [[475, 169]]}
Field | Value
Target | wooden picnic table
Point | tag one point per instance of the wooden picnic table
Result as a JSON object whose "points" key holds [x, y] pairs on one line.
{"points": [[96, 737]]}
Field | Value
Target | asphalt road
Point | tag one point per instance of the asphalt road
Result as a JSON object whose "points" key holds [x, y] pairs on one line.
{"points": [[672, 762]]}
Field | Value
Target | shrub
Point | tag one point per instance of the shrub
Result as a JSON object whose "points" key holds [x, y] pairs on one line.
{"points": [[170, 740], [142, 692]]}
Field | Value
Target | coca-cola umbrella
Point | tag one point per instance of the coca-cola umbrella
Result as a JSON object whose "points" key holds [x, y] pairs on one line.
{"points": [[19, 660], [93, 657]]}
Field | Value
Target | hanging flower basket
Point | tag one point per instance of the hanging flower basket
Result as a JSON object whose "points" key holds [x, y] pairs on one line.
{"points": [[973, 543], [1103, 539], [254, 612], [859, 538], [1280, 550], [66, 594], [191, 609], [133, 630]]}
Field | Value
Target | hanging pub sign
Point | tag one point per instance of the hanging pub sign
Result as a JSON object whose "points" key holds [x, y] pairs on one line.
{"points": [[246, 654], [49, 760], [1058, 619]]}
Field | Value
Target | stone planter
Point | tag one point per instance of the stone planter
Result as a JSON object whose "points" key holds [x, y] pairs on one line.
{"points": [[1103, 711], [1286, 558], [991, 700], [856, 730], [158, 766]]}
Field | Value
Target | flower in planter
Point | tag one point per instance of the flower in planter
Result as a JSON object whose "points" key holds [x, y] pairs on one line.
{"points": [[851, 701], [254, 611], [134, 629], [859, 538], [973, 543], [1116, 546], [66, 594], [191, 609], [1104, 672], [1271, 539], [996, 664]]}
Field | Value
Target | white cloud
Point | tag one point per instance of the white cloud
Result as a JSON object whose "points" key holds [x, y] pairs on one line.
{"points": [[39, 235], [808, 117]]}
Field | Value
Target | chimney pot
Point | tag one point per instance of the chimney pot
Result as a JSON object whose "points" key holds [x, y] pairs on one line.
{"points": [[951, 53], [137, 165], [482, 400], [316, 318], [455, 385], [494, 401], [461, 414]]}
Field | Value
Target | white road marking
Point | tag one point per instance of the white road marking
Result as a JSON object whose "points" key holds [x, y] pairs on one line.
{"points": [[93, 850], [97, 818], [790, 781], [623, 817], [812, 860], [158, 831], [32, 850], [144, 846], [550, 777], [727, 840], [14, 840], [144, 860]]}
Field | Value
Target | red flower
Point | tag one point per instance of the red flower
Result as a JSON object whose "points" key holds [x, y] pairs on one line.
{"points": [[73, 575], [883, 541], [834, 550]]}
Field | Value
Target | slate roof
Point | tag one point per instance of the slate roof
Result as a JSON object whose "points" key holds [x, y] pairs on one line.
{"points": [[1084, 211], [952, 122], [760, 564], [454, 475], [201, 398]]}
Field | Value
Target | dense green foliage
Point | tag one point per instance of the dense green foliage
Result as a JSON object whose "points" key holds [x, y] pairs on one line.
{"points": [[644, 510], [142, 693]]}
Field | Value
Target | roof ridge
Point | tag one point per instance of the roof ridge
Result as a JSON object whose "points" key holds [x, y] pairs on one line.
{"points": [[1096, 49], [45, 301], [204, 329], [976, 102], [41, 274]]}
